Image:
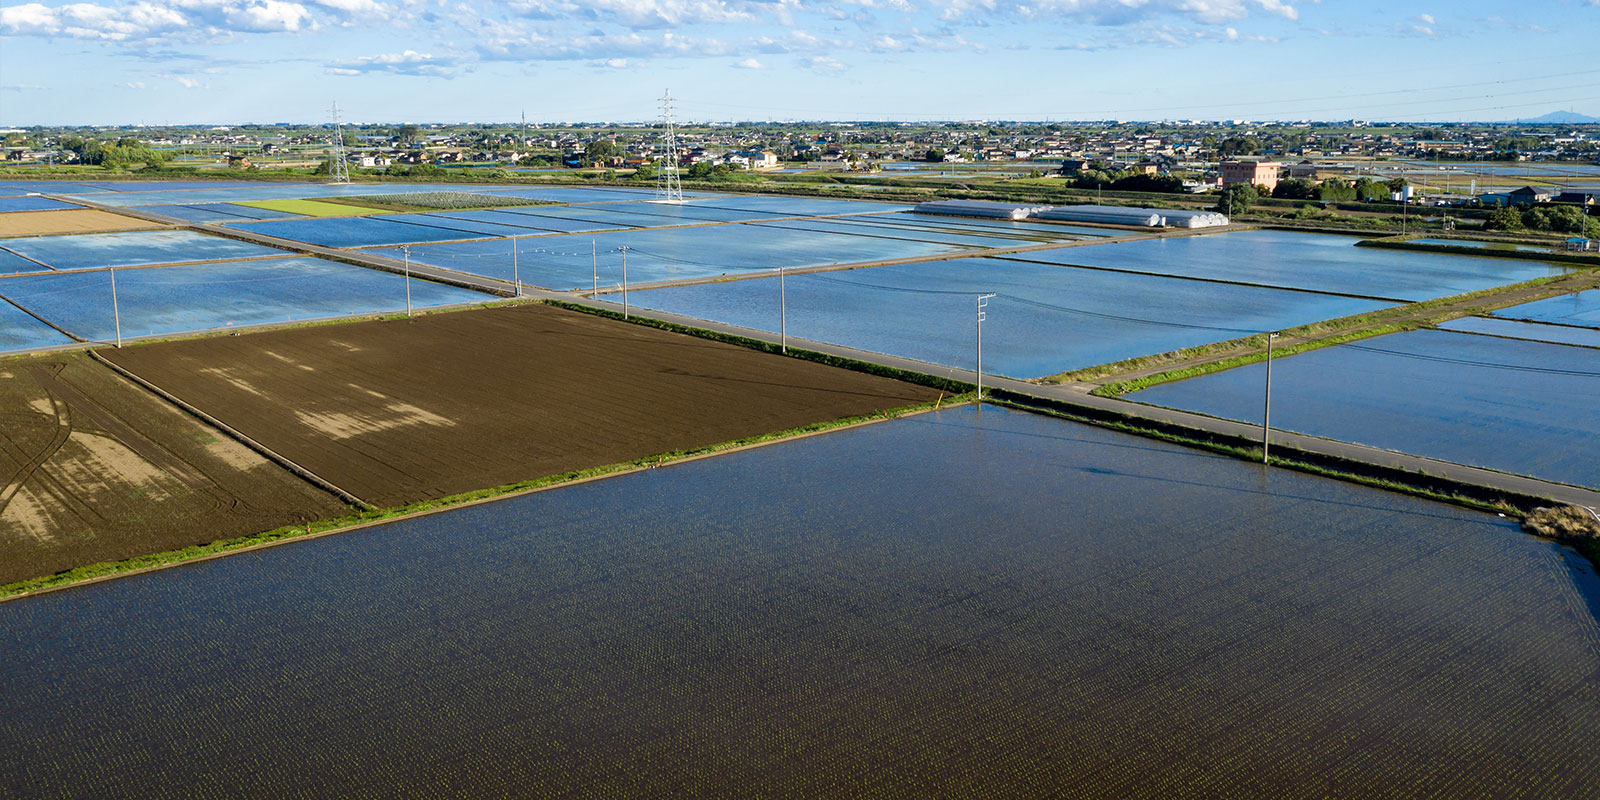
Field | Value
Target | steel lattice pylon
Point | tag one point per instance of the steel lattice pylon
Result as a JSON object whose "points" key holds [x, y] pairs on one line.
{"points": [[338, 168], [668, 187]]}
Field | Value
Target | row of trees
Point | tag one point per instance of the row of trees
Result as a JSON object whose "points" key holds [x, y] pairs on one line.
{"points": [[1098, 176], [1338, 190], [1559, 219], [116, 154]]}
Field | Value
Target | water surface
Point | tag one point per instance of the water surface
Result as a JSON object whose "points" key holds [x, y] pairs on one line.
{"points": [[957, 604], [1517, 406], [1047, 319]]}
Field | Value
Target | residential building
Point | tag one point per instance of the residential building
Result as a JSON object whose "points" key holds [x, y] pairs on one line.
{"points": [[1259, 173]]}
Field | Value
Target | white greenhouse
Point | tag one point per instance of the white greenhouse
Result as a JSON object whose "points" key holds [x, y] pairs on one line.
{"points": [[979, 208], [1105, 215]]}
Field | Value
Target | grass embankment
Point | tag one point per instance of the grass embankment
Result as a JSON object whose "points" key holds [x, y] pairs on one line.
{"points": [[1571, 525], [1116, 388], [309, 208], [1409, 243], [354, 521]]}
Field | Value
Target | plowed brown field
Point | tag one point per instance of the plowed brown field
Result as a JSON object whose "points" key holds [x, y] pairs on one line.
{"points": [[67, 220], [94, 468], [406, 410]]}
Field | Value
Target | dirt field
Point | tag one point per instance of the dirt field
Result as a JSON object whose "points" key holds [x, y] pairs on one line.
{"points": [[94, 468], [407, 410], [82, 220]]}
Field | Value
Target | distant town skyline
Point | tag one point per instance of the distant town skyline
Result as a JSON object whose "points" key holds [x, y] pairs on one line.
{"points": [[158, 62]]}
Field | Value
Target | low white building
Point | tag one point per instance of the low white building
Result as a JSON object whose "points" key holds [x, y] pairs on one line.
{"points": [[753, 159]]}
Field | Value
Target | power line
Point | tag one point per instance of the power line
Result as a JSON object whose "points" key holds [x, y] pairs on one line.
{"points": [[1472, 363]]}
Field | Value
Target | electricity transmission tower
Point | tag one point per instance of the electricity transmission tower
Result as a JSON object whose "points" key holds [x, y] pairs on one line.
{"points": [[338, 168], [667, 184]]}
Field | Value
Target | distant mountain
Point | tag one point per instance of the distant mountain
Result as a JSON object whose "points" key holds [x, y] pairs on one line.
{"points": [[1559, 118]]}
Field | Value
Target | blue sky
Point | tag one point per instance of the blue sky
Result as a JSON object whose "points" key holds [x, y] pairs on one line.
{"points": [[221, 61]]}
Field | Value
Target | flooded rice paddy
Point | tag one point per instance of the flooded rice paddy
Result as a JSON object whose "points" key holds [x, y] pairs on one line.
{"points": [[953, 604], [1518, 406], [8, 204], [20, 331], [93, 250], [1533, 331], [663, 254], [180, 299], [219, 212], [1580, 308], [1047, 319], [1483, 245], [1315, 262], [11, 264]]}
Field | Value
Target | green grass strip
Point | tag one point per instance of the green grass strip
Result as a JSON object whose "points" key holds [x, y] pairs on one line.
{"points": [[1116, 388], [310, 208]]}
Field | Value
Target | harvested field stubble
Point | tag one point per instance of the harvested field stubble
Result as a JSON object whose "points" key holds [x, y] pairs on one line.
{"points": [[93, 468], [403, 411]]}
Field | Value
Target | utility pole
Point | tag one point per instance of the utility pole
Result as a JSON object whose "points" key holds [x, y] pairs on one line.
{"points": [[116, 314], [983, 302], [594, 264], [624, 281], [516, 277], [1266, 411], [783, 313], [406, 248]]}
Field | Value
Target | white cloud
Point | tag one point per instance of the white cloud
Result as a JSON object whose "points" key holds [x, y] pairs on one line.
{"points": [[90, 21], [360, 10], [1117, 12], [617, 63], [157, 20], [21, 87], [407, 62], [750, 63], [1426, 19], [640, 14], [1281, 9], [821, 64], [133, 85], [504, 42], [182, 80]]}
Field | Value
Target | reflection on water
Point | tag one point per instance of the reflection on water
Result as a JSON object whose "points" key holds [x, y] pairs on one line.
{"points": [[1519, 406], [958, 603]]}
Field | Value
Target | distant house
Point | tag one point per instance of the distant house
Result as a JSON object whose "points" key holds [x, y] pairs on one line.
{"points": [[238, 162], [1073, 166], [1145, 168], [1528, 195], [753, 159], [1581, 198], [1304, 169], [372, 161], [1581, 245]]}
